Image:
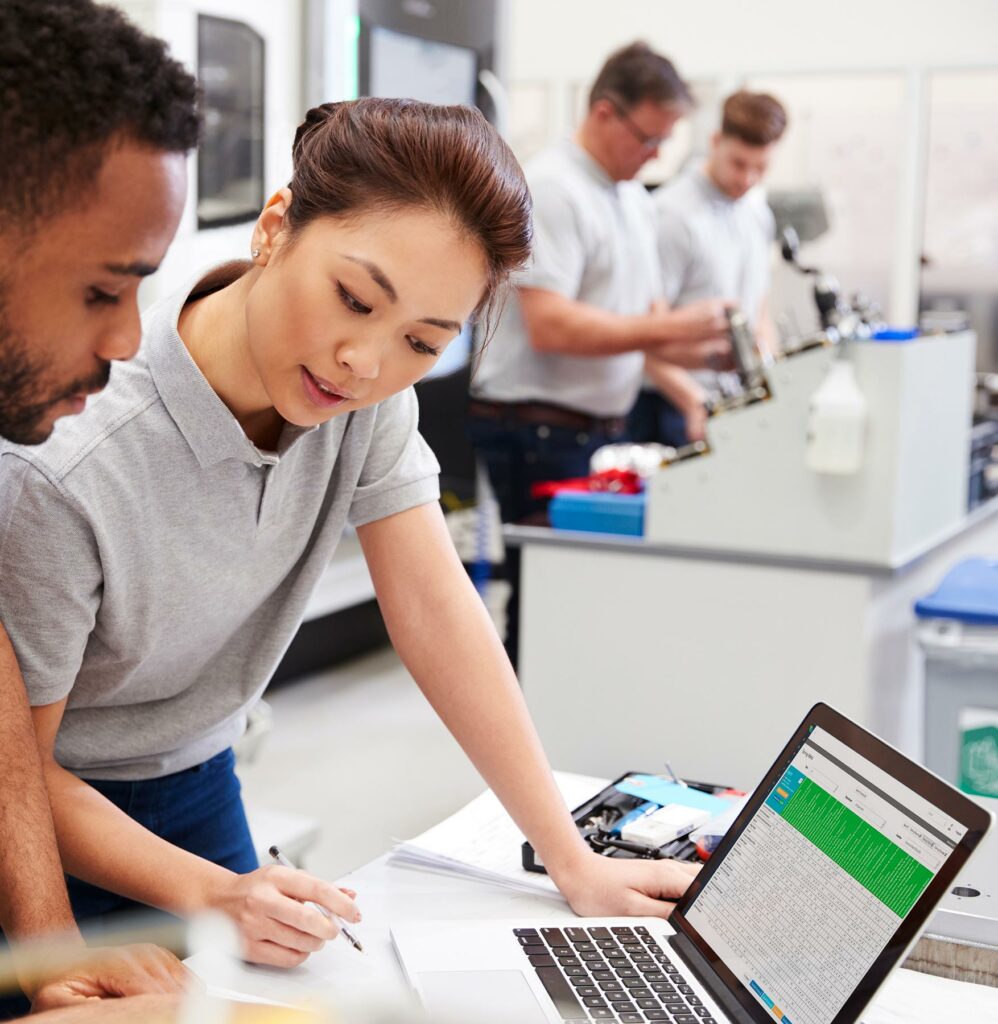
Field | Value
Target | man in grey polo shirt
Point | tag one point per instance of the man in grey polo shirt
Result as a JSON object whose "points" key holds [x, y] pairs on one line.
{"points": [[95, 123], [715, 232], [564, 367]]}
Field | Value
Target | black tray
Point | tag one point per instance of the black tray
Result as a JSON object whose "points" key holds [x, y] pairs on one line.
{"points": [[616, 803]]}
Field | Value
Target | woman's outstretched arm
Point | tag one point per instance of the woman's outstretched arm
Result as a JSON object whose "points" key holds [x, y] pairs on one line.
{"points": [[443, 633]]}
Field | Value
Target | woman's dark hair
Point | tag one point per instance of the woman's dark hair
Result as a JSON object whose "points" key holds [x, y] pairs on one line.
{"points": [[377, 154], [77, 77]]}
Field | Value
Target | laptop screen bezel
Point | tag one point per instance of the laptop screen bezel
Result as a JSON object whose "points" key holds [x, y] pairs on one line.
{"points": [[949, 800]]}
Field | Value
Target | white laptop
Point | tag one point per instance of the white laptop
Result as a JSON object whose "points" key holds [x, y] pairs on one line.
{"points": [[822, 884]]}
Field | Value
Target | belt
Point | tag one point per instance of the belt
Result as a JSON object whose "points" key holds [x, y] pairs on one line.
{"points": [[547, 415]]}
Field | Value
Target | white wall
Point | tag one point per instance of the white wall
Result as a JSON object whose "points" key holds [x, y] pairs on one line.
{"points": [[281, 26], [853, 75], [552, 48], [560, 40]]}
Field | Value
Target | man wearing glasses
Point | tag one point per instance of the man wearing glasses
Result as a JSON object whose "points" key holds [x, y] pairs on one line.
{"points": [[562, 372]]}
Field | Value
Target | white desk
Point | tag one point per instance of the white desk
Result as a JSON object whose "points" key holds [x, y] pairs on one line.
{"points": [[387, 894], [663, 633]]}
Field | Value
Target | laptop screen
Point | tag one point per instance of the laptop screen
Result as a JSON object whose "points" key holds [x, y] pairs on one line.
{"points": [[820, 879]]}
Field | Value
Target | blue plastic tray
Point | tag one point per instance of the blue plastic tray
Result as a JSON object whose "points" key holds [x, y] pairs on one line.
{"points": [[968, 593], [598, 512]]}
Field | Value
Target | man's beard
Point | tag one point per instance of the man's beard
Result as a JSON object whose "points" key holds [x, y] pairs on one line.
{"points": [[22, 405]]}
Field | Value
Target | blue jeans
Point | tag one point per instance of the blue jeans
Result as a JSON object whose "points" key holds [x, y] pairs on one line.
{"points": [[655, 418], [199, 810], [516, 456]]}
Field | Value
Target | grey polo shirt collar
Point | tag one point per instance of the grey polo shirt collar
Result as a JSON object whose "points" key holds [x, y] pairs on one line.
{"points": [[588, 163], [710, 190], [204, 420]]}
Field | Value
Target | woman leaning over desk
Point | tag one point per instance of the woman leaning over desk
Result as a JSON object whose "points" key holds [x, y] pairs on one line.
{"points": [[157, 553]]}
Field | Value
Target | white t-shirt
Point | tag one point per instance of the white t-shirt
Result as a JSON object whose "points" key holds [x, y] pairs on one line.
{"points": [[594, 242]]}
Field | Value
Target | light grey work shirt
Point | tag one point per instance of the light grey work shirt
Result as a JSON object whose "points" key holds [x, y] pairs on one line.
{"points": [[155, 564], [594, 242], [711, 246]]}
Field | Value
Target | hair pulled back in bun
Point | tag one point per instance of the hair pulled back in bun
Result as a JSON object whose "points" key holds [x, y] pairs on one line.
{"points": [[376, 154]]}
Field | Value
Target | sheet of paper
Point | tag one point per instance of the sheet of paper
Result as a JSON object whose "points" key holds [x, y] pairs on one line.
{"points": [[662, 791], [480, 841]]}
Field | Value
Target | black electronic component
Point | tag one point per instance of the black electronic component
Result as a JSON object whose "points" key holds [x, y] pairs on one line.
{"points": [[595, 820]]}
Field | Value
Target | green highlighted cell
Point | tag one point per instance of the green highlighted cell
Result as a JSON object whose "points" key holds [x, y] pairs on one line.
{"points": [[879, 865]]}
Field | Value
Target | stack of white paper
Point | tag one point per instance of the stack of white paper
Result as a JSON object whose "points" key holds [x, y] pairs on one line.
{"points": [[481, 842]]}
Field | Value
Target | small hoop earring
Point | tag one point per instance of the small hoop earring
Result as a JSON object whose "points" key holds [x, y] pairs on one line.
{"points": [[254, 253]]}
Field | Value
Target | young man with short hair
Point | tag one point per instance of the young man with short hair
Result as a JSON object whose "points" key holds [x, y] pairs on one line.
{"points": [[714, 232], [95, 125], [560, 375]]}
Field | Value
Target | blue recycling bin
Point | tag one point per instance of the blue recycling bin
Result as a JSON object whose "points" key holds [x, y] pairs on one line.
{"points": [[958, 633]]}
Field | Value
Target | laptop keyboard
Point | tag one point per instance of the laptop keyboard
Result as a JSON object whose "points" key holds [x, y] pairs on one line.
{"points": [[615, 974]]}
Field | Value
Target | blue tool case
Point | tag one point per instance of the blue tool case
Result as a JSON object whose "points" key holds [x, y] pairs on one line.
{"points": [[598, 512]]}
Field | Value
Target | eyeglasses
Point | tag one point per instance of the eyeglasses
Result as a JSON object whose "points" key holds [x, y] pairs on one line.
{"points": [[647, 141]]}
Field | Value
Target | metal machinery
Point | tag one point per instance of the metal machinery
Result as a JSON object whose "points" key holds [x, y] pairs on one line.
{"points": [[984, 441], [841, 320], [750, 488]]}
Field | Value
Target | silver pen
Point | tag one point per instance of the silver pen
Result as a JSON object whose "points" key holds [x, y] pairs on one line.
{"points": [[675, 777], [349, 935]]}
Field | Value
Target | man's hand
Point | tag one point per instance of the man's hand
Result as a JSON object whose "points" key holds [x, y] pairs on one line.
{"points": [[696, 422], [109, 973], [691, 400], [602, 887], [684, 391], [695, 337], [705, 320], [160, 1009], [696, 355]]}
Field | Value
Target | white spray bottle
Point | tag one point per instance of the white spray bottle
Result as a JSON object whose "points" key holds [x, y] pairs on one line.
{"points": [[836, 429]]}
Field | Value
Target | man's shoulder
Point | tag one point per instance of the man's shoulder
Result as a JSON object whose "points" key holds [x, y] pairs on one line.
{"points": [[77, 439], [677, 198], [555, 173], [549, 162], [758, 210], [676, 215]]}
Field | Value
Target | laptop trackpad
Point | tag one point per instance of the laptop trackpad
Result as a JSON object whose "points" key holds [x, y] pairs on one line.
{"points": [[480, 995]]}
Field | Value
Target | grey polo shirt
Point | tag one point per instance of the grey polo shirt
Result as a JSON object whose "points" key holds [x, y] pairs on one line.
{"points": [[594, 242], [156, 564], [712, 246]]}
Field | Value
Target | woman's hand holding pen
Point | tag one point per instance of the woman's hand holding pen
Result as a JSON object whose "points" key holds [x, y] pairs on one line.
{"points": [[597, 886], [269, 908]]}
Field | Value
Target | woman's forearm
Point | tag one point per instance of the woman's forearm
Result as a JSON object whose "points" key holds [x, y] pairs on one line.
{"points": [[102, 845], [443, 633]]}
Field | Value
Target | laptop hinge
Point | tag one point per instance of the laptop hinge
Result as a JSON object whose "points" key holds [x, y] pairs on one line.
{"points": [[710, 979]]}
